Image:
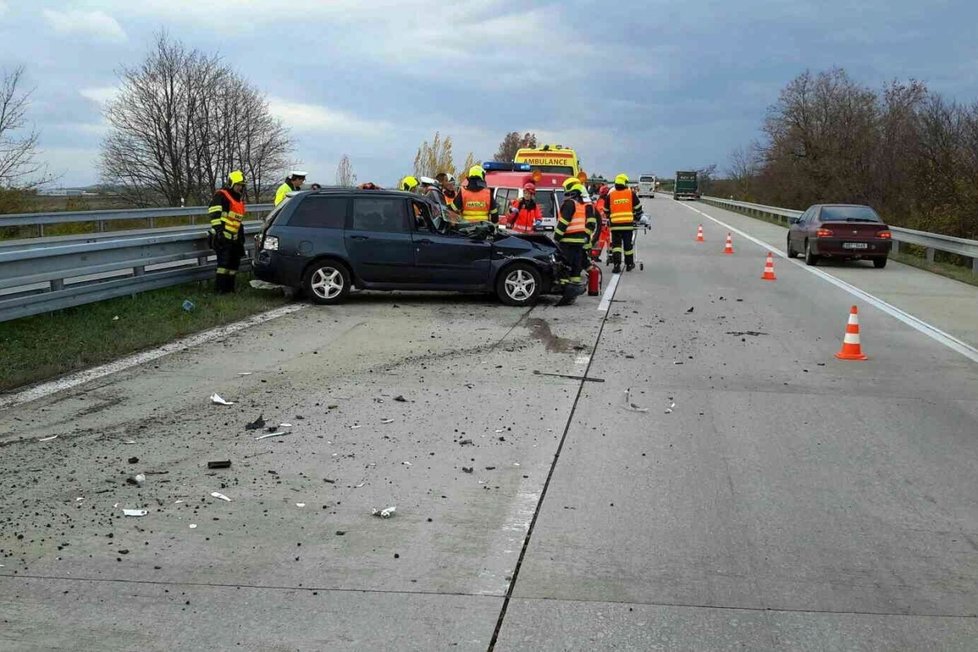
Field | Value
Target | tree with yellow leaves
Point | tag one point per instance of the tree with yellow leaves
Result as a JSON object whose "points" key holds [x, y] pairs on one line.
{"points": [[434, 157]]}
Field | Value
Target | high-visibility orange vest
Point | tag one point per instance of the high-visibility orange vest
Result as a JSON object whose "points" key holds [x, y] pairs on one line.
{"points": [[236, 212], [476, 205], [578, 223], [621, 207]]}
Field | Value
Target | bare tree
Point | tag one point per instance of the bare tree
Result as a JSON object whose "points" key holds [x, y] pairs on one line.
{"points": [[470, 161], [434, 157], [19, 167], [184, 119], [344, 173], [512, 143], [745, 163]]}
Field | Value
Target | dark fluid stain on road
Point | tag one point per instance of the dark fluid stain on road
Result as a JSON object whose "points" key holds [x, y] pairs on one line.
{"points": [[540, 329]]}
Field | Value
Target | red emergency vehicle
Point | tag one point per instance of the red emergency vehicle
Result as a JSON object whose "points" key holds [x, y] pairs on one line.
{"points": [[506, 180]]}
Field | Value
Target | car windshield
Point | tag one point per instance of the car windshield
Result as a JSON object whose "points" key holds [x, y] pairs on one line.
{"points": [[647, 179], [848, 214]]}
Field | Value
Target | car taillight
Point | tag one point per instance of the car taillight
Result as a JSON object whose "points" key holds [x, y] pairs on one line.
{"points": [[823, 233], [886, 235]]}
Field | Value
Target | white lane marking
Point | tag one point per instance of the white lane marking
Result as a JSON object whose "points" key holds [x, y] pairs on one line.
{"points": [[916, 323], [73, 380], [583, 359], [609, 292]]}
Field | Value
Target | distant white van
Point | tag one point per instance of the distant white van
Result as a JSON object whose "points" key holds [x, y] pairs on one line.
{"points": [[646, 185]]}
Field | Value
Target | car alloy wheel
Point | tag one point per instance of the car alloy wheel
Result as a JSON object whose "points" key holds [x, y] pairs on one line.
{"points": [[327, 283], [520, 286]]}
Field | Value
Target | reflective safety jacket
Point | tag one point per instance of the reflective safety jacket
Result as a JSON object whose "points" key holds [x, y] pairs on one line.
{"points": [[623, 206], [524, 215], [282, 191], [476, 205], [226, 212], [576, 223]]}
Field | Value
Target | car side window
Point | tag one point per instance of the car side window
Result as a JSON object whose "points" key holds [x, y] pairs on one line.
{"points": [[804, 216], [320, 212], [421, 213], [381, 214]]}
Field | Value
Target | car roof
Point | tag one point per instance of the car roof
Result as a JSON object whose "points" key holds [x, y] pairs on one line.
{"points": [[337, 190], [841, 206]]}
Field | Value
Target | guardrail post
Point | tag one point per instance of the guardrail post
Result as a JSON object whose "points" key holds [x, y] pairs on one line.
{"points": [[930, 254], [57, 284], [152, 222], [40, 230], [139, 270], [896, 246], [202, 260], [974, 265]]}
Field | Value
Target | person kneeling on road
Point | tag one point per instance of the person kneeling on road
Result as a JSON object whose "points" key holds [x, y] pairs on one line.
{"points": [[573, 236], [226, 236], [624, 208]]}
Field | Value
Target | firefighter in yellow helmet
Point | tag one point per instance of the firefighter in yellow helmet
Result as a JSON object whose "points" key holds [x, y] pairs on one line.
{"points": [[624, 208], [474, 201], [408, 183], [226, 235], [573, 234], [293, 182]]}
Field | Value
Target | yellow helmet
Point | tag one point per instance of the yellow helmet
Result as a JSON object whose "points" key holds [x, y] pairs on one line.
{"points": [[236, 177], [569, 182], [621, 180], [409, 183], [576, 185], [477, 171]]}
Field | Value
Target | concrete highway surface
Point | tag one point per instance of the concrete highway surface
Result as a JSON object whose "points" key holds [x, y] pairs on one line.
{"points": [[689, 469]]}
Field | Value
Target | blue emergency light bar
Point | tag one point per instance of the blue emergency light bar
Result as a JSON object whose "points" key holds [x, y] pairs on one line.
{"points": [[500, 166]]}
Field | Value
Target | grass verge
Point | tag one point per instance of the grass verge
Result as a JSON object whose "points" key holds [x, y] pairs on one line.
{"points": [[44, 346]]}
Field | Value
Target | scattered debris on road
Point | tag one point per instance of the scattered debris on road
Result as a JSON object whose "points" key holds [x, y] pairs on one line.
{"points": [[569, 377], [134, 460], [188, 305], [631, 406], [139, 479], [135, 512], [743, 333], [400, 399], [690, 310], [384, 513], [278, 433], [465, 442], [217, 400], [220, 496], [52, 437], [467, 469], [219, 464], [257, 424]]}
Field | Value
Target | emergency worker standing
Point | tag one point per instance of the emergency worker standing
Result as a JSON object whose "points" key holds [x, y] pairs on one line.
{"points": [[293, 182], [624, 207], [525, 212], [573, 235], [475, 202], [408, 184], [226, 235]]}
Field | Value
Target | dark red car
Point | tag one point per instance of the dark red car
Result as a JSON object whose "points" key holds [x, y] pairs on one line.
{"points": [[847, 231]]}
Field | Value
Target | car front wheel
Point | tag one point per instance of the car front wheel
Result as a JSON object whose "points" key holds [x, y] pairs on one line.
{"points": [[810, 258], [327, 282], [519, 285], [791, 250]]}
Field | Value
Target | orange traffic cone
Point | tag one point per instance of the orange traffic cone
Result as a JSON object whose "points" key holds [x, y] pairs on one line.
{"points": [[728, 248], [851, 349], [769, 268], [699, 234]]}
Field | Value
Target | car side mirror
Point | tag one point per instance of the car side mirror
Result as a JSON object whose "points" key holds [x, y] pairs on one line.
{"points": [[794, 220]]}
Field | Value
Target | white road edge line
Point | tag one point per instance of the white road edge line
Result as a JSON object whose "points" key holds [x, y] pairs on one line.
{"points": [[609, 292], [916, 323], [73, 380]]}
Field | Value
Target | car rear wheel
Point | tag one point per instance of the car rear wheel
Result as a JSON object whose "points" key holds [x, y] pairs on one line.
{"points": [[791, 250], [879, 263], [519, 285], [810, 258], [327, 282]]}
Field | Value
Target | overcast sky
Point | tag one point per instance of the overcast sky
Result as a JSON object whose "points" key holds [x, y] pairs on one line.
{"points": [[633, 86]]}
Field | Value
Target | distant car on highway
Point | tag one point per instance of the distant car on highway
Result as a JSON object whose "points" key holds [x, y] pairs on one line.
{"points": [[846, 231], [326, 242]]}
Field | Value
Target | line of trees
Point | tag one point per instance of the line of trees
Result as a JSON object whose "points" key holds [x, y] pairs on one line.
{"points": [[907, 151]]}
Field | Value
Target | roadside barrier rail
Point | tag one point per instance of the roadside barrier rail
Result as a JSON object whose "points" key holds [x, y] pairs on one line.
{"points": [[931, 242]]}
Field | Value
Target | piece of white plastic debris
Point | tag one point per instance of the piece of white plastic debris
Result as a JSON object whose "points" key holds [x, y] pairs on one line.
{"points": [[387, 421], [193, 526], [669, 411], [300, 504], [79, 499], [355, 427], [385, 513], [140, 479], [216, 399], [405, 463], [271, 434], [116, 318], [360, 485], [130, 441], [285, 425], [220, 496], [48, 438], [177, 502], [245, 373], [135, 512], [499, 430]]}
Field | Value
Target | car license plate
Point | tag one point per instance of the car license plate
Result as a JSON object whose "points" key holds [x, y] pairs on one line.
{"points": [[855, 245]]}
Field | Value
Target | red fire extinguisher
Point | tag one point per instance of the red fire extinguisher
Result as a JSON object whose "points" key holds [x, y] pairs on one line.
{"points": [[594, 281]]}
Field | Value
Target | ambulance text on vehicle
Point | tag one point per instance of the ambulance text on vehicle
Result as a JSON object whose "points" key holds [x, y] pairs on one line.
{"points": [[506, 180], [552, 159]]}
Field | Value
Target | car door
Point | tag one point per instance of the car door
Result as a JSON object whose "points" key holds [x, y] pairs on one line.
{"points": [[448, 259], [797, 231], [378, 240]]}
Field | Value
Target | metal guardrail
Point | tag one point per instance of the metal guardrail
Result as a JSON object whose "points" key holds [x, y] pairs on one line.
{"points": [[101, 218], [930, 241], [40, 275]]}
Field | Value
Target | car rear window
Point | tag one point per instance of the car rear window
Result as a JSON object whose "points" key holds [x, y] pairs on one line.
{"points": [[379, 214], [844, 213], [320, 212]]}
